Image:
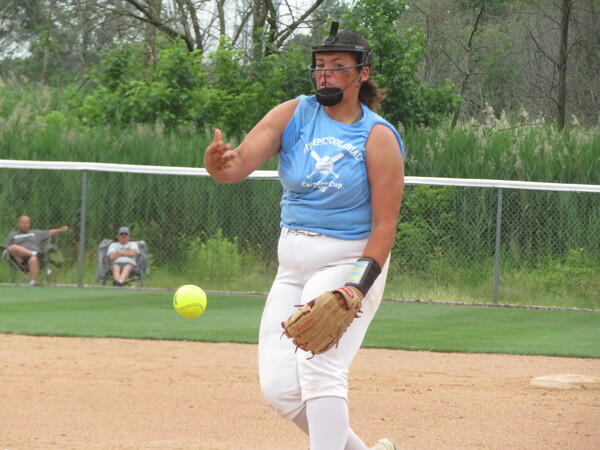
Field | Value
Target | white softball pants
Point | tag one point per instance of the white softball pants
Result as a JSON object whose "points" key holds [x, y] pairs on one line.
{"points": [[309, 266]]}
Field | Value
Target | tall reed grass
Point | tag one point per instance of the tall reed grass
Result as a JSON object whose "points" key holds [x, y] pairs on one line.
{"points": [[504, 151], [42, 126]]}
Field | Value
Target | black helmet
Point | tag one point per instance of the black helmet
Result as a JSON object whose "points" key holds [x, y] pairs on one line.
{"points": [[345, 41]]}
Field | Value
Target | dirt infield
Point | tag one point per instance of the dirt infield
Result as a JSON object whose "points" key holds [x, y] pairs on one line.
{"points": [[75, 393]]}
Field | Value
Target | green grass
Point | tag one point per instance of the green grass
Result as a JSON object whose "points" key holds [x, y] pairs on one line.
{"points": [[474, 329], [126, 313], [573, 288]]}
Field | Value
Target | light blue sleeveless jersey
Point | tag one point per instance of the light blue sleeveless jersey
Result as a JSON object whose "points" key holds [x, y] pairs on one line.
{"points": [[323, 172]]}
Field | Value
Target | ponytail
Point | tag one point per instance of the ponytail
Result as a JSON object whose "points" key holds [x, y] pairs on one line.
{"points": [[371, 94]]}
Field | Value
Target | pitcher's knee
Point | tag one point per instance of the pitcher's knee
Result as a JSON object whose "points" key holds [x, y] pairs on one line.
{"points": [[286, 402]]}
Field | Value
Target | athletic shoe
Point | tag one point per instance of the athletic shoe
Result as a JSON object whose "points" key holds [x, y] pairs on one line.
{"points": [[384, 444]]}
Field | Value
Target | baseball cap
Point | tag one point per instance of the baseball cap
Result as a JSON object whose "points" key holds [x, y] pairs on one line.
{"points": [[124, 230]]}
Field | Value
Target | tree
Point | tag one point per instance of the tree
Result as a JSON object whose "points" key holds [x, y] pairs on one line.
{"points": [[16, 25], [398, 52], [466, 67], [127, 91], [58, 39], [559, 61], [515, 59], [259, 27], [561, 102]]}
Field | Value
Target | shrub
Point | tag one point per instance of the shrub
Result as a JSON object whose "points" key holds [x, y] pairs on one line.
{"points": [[216, 260]]}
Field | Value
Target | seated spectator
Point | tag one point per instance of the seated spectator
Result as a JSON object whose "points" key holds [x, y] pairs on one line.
{"points": [[122, 255], [25, 245]]}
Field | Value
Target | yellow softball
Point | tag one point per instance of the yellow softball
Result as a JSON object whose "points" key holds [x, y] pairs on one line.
{"points": [[189, 301]]}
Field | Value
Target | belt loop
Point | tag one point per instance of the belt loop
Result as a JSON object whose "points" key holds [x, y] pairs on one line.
{"points": [[285, 231]]}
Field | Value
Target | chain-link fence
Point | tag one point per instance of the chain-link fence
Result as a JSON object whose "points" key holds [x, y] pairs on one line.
{"points": [[458, 240]]}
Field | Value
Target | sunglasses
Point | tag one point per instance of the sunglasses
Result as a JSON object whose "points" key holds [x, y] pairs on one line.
{"points": [[123, 234]]}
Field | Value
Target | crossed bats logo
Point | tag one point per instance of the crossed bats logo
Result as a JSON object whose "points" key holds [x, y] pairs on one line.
{"points": [[325, 164]]}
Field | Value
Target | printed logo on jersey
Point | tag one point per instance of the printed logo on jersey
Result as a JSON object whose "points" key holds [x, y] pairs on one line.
{"points": [[330, 140], [325, 165], [19, 237]]}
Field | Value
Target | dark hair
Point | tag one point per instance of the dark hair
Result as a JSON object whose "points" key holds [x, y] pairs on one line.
{"points": [[370, 93]]}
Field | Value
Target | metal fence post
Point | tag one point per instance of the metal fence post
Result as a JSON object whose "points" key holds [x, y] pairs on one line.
{"points": [[497, 249], [82, 227]]}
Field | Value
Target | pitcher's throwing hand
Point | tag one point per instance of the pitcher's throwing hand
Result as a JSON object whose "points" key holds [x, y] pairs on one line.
{"points": [[219, 155]]}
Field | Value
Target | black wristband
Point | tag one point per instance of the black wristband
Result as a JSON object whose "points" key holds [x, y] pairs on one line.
{"points": [[364, 274]]}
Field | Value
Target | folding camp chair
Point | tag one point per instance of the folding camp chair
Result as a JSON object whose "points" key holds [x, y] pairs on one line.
{"points": [[139, 272]]}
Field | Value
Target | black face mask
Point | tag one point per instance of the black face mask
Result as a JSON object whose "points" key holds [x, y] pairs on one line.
{"points": [[331, 96]]}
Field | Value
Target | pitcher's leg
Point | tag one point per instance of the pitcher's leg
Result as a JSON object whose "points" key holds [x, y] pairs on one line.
{"points": [[277, 365], [352, 443], [328, 423]]}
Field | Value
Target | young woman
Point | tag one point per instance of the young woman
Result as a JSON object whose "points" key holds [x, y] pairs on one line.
{"points": [[341, 168]]}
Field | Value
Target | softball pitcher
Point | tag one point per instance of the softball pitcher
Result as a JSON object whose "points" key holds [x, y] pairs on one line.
{"points": [[341, 168]]}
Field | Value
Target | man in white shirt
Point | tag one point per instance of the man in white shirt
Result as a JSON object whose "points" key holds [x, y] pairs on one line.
{"points": [[122, 255]]}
